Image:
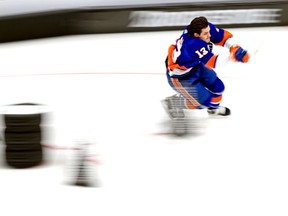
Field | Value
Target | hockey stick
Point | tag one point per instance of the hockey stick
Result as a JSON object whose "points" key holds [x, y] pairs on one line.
{"points": [[256, 51]]}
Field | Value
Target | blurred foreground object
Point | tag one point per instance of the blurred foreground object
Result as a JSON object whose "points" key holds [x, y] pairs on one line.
{"points": [[23, 135], [82, 169]]}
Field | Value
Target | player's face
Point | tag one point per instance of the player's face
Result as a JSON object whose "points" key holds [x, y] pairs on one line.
{"points": [[205, 34]]}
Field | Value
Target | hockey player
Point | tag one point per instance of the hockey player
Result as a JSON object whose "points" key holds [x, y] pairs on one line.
{"points": [[189, 66]]}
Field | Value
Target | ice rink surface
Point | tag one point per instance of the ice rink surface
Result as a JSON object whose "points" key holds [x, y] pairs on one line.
{"points": [[106, 89]]}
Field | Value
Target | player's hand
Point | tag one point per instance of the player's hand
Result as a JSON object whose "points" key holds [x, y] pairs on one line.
{"points": [[237, 53]]}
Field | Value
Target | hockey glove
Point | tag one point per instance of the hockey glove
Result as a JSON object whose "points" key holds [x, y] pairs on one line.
{"points": [[239, 54]]}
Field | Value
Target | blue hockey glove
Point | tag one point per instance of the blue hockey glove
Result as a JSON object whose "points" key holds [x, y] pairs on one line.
{"points": [[239, 54]]}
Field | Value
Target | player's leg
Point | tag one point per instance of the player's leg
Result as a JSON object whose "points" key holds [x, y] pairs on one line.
{"points": [[183, 99], [216, 87], [200, 89], [174, 106], [197, 96]]}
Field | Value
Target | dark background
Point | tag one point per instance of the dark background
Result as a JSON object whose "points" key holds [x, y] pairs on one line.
{"points": [[115, 20]]}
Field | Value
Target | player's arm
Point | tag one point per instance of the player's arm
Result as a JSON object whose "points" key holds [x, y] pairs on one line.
{"points": [[217, 61], [237, 53], [223, 37]]}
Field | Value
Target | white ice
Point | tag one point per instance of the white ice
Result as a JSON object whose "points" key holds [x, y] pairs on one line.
{"points": [[106, 89]]}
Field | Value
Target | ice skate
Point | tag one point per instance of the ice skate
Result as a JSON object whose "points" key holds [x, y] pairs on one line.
{"points": [[220, 111], [174, 106]]}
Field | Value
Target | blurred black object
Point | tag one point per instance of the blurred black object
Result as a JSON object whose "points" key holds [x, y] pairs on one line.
{"points": [[159, 16], [22, 137]]}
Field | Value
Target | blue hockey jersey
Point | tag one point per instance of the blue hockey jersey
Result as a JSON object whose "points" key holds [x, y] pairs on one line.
{"points": [[188, 51]]}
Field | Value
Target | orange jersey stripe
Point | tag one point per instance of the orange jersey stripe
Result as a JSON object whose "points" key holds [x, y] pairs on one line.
{"points": [[226, 36], [171, 64], [186, 94], [189, 105], [217, 99], [211, 63]]}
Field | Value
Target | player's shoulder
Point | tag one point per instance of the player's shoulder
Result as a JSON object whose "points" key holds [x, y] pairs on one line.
{"points": [[214, 29], [211, 25]]}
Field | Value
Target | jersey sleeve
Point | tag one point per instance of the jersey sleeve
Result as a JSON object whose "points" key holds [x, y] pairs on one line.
{"points": [[211, 63], [218, 35]]}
